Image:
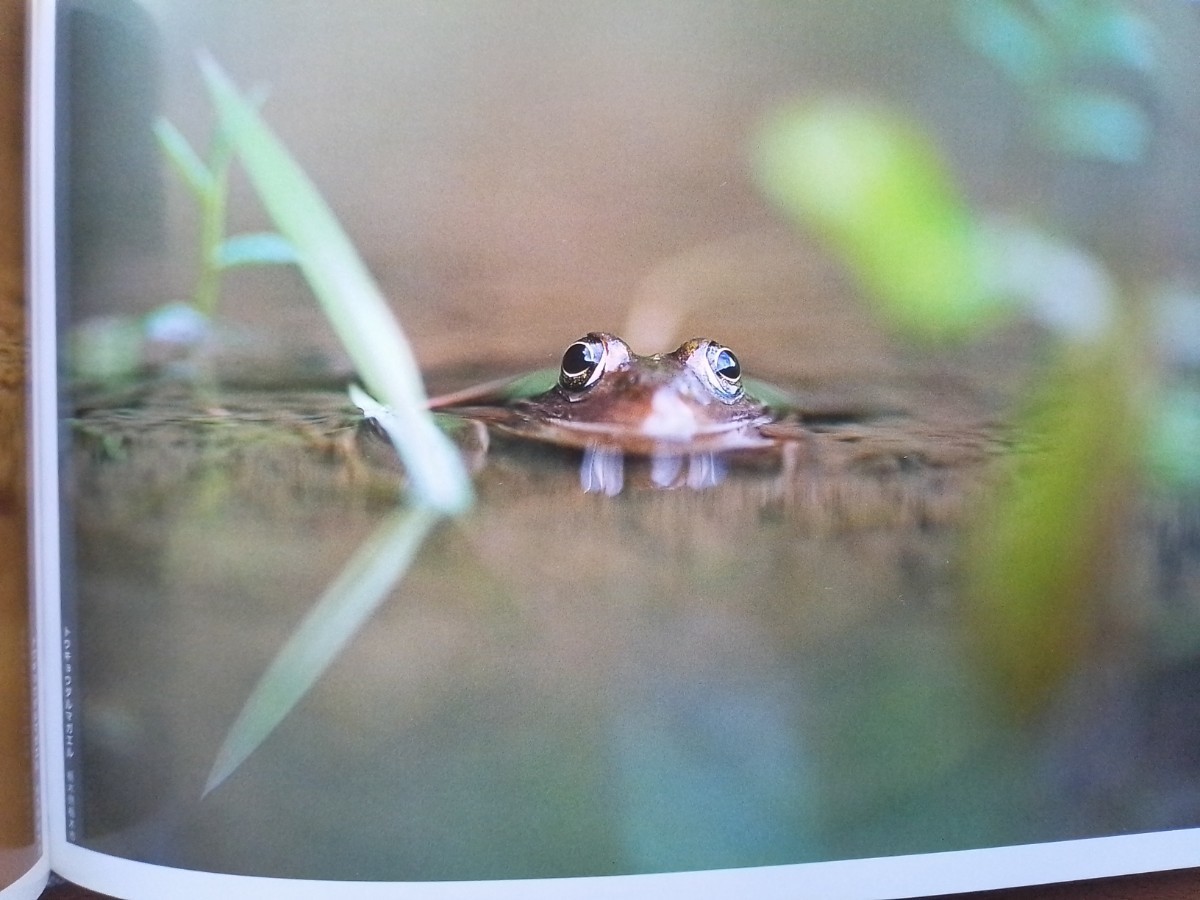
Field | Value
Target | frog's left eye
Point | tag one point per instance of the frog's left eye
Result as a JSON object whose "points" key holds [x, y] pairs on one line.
{"points": [[724, 372], [582, 364]]}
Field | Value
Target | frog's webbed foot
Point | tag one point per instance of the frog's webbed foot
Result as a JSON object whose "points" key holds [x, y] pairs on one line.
{"points": [[665, 469], [602, 471], [705, 470]]}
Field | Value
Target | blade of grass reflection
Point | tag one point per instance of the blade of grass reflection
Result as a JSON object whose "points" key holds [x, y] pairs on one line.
{"points": [[347, 603], [348, 294]]}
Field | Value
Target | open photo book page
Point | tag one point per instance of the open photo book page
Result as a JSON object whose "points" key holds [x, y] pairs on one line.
{"points": [[718, 448]]}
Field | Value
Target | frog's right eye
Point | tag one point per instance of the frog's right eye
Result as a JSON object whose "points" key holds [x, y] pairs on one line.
{"points": [[582, 364]]}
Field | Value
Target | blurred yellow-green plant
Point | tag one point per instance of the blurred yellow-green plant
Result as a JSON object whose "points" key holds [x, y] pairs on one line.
{"points": [[1040, 554], [870, 185]]}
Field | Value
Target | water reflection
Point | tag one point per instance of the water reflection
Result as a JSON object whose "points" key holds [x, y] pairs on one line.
{"points": [[775, 669], [602, 470]]}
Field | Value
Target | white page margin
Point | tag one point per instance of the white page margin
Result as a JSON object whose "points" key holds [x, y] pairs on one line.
{"points": [[43, 411], [885, 878]]}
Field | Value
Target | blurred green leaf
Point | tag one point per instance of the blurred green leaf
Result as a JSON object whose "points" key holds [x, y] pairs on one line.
{"points": [[260, 248], [1094, 31], [1056, 283], [1009, 37], [1037, 552], [1096, 125], [349, 296], [1046, 46], [874, 187], [347, 603], [1173, 450], [106, 349], [531, 384], [187, 163], [1124, 37]]}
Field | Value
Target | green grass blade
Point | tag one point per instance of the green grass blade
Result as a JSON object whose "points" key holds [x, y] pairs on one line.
{"points": [[190, 166], [347, 603], [347, 293], [767, 393], [258, 248], [530, 385]]}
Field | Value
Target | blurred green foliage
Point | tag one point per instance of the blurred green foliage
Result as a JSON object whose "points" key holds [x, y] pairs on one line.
{"points": [[1174, 454], [870, 185], [1044, 47], [209, 185], [310, 235], [113, 350], [1038, 555], [349, 296]]}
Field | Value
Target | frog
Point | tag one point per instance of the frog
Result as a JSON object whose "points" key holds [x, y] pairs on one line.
{"points": [[684, 411]]}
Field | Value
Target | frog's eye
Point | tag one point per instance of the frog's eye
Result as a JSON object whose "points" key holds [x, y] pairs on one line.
{"points": [[724, 372], [582, 364]]}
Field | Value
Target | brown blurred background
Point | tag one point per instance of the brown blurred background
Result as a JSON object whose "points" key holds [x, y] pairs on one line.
{"points": [[16, 773]]}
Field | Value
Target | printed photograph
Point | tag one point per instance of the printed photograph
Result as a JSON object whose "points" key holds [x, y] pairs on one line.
{"points": [[534, 440]]}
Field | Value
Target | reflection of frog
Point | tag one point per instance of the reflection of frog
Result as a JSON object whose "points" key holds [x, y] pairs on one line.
{"points": [[684, 406]]}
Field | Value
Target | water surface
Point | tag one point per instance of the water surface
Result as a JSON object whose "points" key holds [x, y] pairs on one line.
{"points": [[777, 669]]}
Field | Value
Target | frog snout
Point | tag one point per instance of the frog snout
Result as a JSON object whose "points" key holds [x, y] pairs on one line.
{"points": [[671, 416]]}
